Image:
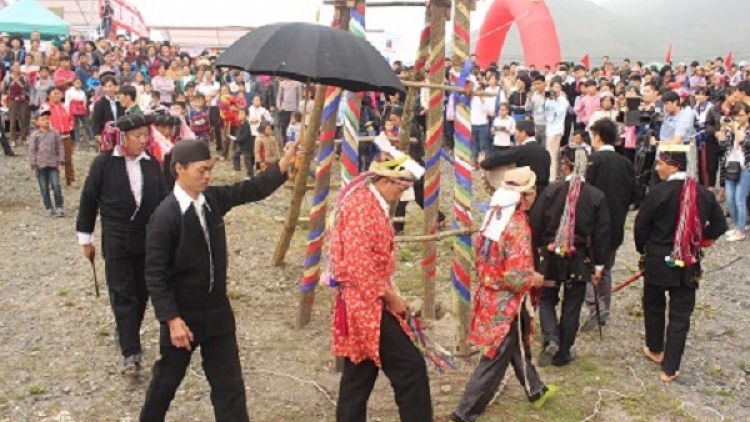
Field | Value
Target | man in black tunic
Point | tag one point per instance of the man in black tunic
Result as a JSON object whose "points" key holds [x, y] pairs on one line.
{"points": [[614, 175], [570, 225], [676, 220], [528, 152], [186, 272], [124, 186]]}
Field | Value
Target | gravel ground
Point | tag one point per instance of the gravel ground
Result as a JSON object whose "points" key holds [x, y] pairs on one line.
{"points": [[60, 363]]}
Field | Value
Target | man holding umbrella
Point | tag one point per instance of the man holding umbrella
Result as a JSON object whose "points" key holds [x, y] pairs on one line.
{"points": [[186, 275]]}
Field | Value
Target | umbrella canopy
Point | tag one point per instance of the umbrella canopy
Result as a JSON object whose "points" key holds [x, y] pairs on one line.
{"points": [[26, 16], [303, 51]]}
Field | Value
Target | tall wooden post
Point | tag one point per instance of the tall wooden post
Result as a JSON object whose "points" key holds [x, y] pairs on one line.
{"points": [[319, 210], [416, 76], [462, 192], [439, 14], [350, 159]]}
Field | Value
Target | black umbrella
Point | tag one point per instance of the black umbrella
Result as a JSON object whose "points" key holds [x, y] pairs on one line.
{"points": [[312, 53]]}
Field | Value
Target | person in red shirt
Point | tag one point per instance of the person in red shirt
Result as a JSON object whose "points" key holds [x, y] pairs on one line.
{"points": [[61, 120], [369, 321], [64, 76]]}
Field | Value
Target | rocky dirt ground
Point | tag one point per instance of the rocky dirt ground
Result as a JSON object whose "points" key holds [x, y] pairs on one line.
{"points": [[59, 362]]}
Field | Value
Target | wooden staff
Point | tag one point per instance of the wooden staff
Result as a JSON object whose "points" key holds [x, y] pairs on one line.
{"points": [[298, 160], [300, 183], [439, 14]]}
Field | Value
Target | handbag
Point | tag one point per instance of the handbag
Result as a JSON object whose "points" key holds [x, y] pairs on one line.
{"points": [[733, 171]]}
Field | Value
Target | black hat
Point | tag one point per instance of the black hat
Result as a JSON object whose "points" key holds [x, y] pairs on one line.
{"points": [[677, 159], [166, 120], [134, 121], [190, 151]]}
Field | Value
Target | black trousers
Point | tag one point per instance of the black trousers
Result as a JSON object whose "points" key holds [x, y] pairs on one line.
{"points": [[419, 198], [246, 152], [284, 118], [221, 363], [489, 374], [214, 119], [405, 368], [681, 306], [449, 130], [126, 283], [564, 333]]}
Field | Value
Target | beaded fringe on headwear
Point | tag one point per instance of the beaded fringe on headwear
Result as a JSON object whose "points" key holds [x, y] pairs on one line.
{"points": [[112, 137], [688, 235], [564, 243]]}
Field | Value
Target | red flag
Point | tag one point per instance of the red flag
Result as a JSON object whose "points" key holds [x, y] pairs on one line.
{"points": [[668, 57], [586, 61], [728, 61]]}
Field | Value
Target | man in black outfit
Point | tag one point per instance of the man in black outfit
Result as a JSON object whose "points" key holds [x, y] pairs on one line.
{"points": [[124, 186], [570, 224], [186, 275], [107, 109], [528, 152], [660, 216], [416, 152], [614, 175]]}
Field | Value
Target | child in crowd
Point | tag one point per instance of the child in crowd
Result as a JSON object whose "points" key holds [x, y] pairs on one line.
{"points": [[293, 132], [94, 84], [155, 101], [198, 118], [145, 100], [266, 148], [581, 140], [244, 147], [504, 128], [46, 154], [75, 102], [62, 122], [480, 128]]}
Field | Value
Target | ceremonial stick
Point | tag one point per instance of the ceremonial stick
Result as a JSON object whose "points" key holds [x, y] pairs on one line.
{"points": [[96, 280], [635, 277], [598, 310]]}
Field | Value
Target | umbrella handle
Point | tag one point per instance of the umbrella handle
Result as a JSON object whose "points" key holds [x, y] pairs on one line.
{"points": [[96, 280]]}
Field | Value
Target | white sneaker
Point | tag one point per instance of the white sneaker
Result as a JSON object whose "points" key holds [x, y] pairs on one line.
{"points": [[736, 237]]}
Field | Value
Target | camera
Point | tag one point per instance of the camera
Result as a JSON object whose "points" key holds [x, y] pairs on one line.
{"points": [[727, 120]]}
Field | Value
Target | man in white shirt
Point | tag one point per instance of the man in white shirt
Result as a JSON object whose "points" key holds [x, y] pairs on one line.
{"points": [[124, 187]]}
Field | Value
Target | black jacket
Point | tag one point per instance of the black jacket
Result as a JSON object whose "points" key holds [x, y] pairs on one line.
{"points": [[103, 114], [530, 154], [107, 192], [614, 175], [656, 223], [592, 222], [178, 265]]}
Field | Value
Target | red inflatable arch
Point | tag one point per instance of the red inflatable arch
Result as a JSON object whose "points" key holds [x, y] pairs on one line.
{"points": [[537, 28]]}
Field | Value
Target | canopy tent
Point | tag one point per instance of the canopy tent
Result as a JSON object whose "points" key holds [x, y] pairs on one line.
{"points": [[26, 16]]}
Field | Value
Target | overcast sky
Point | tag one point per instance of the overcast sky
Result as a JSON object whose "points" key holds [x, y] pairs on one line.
{"points": [[404, 22]]}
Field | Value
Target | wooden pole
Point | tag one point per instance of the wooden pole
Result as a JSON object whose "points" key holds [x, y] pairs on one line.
{"points": [[413, 92], [462, 192], [439, 14], [300, 183], [436, 236], [318, 212], [410, 84]]}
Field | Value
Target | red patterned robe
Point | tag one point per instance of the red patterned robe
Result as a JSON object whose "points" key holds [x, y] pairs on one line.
{"points": [[363, 262], [505, 275]]}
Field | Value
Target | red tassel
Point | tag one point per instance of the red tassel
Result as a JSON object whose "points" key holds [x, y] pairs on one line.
{"points": [[342, 326]]}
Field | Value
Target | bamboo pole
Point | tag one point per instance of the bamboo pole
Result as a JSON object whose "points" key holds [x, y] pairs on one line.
{"points": [[436, 236], [439, 14], [462, 191], [318, 211], [413, 92], [410, 84], [300, 183]]}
